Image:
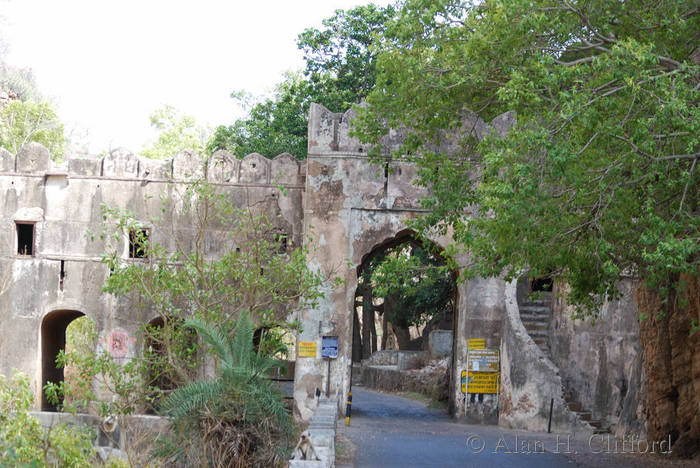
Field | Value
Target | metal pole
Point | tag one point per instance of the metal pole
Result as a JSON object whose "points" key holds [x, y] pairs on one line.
{"points": [[328, 380], [549, 425], [348, 409]]}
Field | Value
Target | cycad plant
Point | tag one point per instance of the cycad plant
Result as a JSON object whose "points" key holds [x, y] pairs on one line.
{"points": [[236, 419]]}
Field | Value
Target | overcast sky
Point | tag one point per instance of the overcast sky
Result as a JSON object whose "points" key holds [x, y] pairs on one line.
{"points": [[108, 64]]}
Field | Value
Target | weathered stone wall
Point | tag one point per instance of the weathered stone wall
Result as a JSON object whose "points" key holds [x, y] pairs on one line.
{"points": [[64, 201], [353, 207], [600, 361]]}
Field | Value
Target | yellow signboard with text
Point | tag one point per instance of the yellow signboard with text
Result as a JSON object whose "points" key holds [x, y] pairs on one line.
{"points": [[483, 360], [307, 349], [483, 382]]}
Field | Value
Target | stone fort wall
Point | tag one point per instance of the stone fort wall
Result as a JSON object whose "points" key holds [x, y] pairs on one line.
{"points": [[337, 203], [63, 276]]}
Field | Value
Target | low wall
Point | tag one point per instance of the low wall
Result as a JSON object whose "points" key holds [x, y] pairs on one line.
{"points": [[322, 433], [393, 379], [132, 433]]}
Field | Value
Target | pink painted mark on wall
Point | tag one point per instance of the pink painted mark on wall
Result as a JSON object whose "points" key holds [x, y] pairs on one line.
{"points": [[118, 343]]}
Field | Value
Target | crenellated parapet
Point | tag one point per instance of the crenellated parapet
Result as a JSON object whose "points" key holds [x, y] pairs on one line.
{"points": [[121, 164], [330, 133]]}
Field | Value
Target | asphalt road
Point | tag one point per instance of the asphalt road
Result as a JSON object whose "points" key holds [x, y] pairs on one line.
{"points": [[391, 431]]}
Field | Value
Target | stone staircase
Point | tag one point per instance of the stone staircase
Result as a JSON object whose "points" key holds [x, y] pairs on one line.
{"points": [[536, 314]]}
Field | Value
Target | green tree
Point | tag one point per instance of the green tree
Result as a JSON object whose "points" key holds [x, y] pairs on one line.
{"points": [[236, 419], [176, 132], [23, 441], [273, 126], [233, 260], [22, 122], [339, 72], [419, 281], [598, 178]]}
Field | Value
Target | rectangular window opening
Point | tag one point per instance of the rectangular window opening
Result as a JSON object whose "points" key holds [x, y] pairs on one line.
{"points": [[138, 243], [25, 239]]}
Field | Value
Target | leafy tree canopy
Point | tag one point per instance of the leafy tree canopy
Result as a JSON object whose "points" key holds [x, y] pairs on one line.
{"points": [[176, 132], [421, 285], [339, 71], [22, 122], [598, 178]]}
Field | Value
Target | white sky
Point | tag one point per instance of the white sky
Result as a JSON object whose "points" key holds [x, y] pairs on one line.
{"points": [[108, 64]]}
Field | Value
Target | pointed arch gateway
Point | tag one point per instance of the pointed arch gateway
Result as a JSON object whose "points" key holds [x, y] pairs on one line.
{"points": [[373, 329]]}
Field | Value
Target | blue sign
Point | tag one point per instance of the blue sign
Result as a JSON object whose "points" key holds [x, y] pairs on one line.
{"points": [[329, 347]]}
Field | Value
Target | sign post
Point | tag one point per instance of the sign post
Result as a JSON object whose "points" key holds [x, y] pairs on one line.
{"points": [[329, 350]]}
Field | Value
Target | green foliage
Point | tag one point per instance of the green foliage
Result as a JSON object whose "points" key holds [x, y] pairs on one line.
{"points": [[81, 339], [419, 282], [227, 262], [176, 133], [23, 442], [339, 71], [22, 122], [598, 179], [273, 126], [238, 417]]}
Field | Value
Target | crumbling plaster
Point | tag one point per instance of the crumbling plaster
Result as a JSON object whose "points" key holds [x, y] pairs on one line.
{"points": [[338, 204], [64, 201]]}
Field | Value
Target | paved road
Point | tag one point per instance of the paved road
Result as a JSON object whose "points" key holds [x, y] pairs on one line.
{"points": [[391, 431]]}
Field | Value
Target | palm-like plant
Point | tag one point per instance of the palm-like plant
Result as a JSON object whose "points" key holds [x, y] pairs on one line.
{"points": [[238, 418]]}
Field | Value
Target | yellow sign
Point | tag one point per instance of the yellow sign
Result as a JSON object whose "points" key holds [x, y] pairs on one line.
{"points": [[476, 343], [307, 349], [483, 360], [483, 382]]}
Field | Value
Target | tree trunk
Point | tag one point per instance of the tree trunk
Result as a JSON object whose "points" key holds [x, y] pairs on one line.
{"points": [[367, 322], [403, 336], [373, 331], [672, 363], [385, 330], [356, 338]]}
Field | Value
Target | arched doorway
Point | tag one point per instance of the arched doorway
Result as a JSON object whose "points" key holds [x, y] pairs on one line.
{"points": [[53, 341], [404, 316]]}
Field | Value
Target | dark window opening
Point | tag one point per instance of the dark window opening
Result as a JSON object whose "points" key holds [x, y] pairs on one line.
{"points": [[62, 275], [138, 243], [25, 239], [386, 170], [541, 285]]}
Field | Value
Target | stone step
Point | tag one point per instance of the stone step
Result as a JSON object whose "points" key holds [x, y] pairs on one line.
{"points": [[536, 326], [534, 309], [538, 333], [535, 318]]}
